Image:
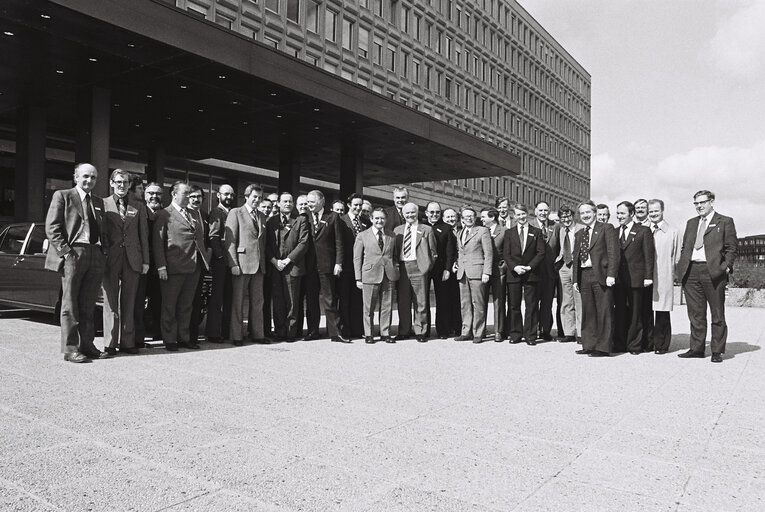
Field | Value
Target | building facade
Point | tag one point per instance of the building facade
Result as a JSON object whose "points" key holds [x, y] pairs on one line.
{"points": [[751, 251]]}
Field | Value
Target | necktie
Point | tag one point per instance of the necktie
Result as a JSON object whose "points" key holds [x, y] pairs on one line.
{"points": [[465, 235], [122, 208], [92, 223], [315, 222], [254, 222], [584, 249], [380, 240], [284, 220], [655, 228], [567, 257], [408, 241], [544, 230], [186, 216], [523, 238], [700, 234], [356, 225], [624, 235]]}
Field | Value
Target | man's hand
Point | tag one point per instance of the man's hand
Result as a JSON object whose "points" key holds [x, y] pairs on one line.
{"points": [[610, 281], [236, 271], [338, 269], [576, 287], [647, 283], [145, 269], [162, 274], [455, 267], [485, 278], [445, 275], [519, 269], [359, 285]]}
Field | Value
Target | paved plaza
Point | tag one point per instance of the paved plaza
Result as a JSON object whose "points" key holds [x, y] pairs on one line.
{"points": [[442, 426]]}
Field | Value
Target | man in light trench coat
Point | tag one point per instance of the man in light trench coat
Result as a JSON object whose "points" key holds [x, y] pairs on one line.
{"points": [[667, 246]]}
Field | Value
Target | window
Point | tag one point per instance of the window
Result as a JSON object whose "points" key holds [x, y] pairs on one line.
{"points": [[417, 26], [347, 34], [448, 88], [377, 50], [312, 16], [377, 7], [416, 71], [404, 65], [293, 10], [35, 243], [14, 240], [392, 11], [448, 48], [392, 59], [405, 19], [428, 76], [270, 41], [363, 42], [330, 25], [272, 5]]}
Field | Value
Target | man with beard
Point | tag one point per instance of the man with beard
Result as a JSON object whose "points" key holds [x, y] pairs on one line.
{"points": [[219, 304], [148, 284]]}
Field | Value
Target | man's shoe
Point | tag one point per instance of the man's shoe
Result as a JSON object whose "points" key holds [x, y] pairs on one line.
{"points": [[660, 352], [462, 338], [389, 339], [369, 339], [238, 343], [531, 342], [635, 352], [544, 337], [598, 353], [691, 354], [129, 350], [421, 339], [261, 341], [567, 339], [340, 339], [716, 357], [98, 355], [192, 345], [515, 341], [477, 340], [584, 352], [311, 336], [76, 357], [498, 338], [171, 347], [214, 339], [111, 351]]}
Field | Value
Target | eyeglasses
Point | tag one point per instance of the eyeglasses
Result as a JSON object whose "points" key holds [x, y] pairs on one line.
{"points": [[699, 203], [434, 212], [198, 198], [120, 182]]}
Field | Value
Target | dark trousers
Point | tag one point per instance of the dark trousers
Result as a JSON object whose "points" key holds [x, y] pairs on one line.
{"points": [[700, 290], [219, 305], [252, 284], [648, 324], [120, 286], [139, 311], [148, 305], [628, 312], [662, 331], [454, 308], [267, 306], [351, 305], [545, 292], [413, 291], [597, 313], [308, 304], [80, 283], [329, 302], [443, 305], [378, 296], [526, 325], [196, 312], [285, 296], [497, 287], [177, 302]]}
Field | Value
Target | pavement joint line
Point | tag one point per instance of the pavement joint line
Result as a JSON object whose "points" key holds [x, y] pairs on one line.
{"points": [[168, 507], [412, 420], [712, 432]]}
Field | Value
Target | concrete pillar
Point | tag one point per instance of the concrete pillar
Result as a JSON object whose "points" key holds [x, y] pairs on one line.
{"points": [[351, 169], [30, 164], [92, 139], [155, 168], [289, 166]]}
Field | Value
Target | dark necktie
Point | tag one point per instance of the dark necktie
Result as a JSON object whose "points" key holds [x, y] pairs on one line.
{"points": [[584, 249], [380, 240], [356, 225], [254, 221], [315, 222], [408, 241], [284, 220], [122, 208], [92, 223], [624, 235], [700, 234], [567, 257], [655, 228], [523, 239]]}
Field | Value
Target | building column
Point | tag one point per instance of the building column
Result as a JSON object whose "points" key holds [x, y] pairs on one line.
{"points": [[30, 164], [155, 168], [351, 169], [289, 166], [92, 139]]}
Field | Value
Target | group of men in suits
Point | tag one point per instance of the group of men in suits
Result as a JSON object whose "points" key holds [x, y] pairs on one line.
{"points": [[285, 259]]}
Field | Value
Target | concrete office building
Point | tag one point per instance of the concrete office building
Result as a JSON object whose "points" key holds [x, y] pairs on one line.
{"points": [[465, 101]]}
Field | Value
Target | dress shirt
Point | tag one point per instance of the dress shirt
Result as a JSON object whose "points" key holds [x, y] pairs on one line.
{"points": [[411, 256], [699, 254], [626, 230], [83, 236], [570, 239]]}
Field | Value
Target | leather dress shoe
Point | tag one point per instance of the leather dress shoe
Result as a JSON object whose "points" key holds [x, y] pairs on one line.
{"points": [[421, 339], [191, 345], [129, 350], [311, 336], [214, 339], [598, 353], [544, 337], [691, 354], [111, 351], [98, 355], [660, 352], [583, 352], [498, 338], [171, 347], [531, 342], [369, 339], [716, 357], [389, 339], [76, 357], [477, 340], [340, 339], [261, 341], [515, 341], [567, 339], [635, 352], [237, 343], [462, 338]]}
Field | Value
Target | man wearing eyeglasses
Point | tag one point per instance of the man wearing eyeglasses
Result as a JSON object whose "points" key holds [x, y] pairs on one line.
{"points": [[446, 249], [709, 250], [196, 198], [127, 243]]}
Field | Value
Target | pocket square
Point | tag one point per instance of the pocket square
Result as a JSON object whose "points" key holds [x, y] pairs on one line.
{"points": [[712, 225]]}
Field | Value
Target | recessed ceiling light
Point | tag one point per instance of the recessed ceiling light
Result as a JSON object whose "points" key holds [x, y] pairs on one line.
{"points": [[234, 102], [279, 116], [316, 109], [273, 94], [93, 59], [60, 71], [131, 45], [137, 125], [184, 87], [45, 16], [7, 33], [315, 127], [149, 96], [212, 129], [169, 117], [222, 77], [200, 110], [116, 105]]}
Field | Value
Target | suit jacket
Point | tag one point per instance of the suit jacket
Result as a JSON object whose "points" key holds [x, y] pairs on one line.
{"points": [[498, 266], [476, 256], [151, 219], [446, 248], [370, 263], [393, 219], [176, 244], [425, 247], [720, 246], [548, 231], [217, 223], [65, 216], [604, 252], [132, 234], [245, 240], [328, 241], [557, 242], [288, 241], [637, 256], [532, 255], [349, 238]]}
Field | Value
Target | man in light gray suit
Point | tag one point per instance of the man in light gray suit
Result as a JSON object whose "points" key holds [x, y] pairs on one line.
{"points": [[475, 256], [245, 246], [418, 254], [375, 263], [570, 299], [127, 243]]}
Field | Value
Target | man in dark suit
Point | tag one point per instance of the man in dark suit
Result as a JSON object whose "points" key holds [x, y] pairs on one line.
{"points": [[475, 255], [416, 259], [325, 228], [245, 246], [269, 206], [635, 275], [596, 263], [351, 299], [454, 306], [709, 250], [309, 311], [286, 245], [524, 252], [74, 227], [498, 283], [219, 303], [375, 265], [394, 215], [148, 298], [548, 283], [126, 232], [446, 251], [641, 217], [196, 198], [180, 255]]}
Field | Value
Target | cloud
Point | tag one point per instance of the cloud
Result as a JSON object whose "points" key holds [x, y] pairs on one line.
{"points": [[738, 47], [736, 175]]}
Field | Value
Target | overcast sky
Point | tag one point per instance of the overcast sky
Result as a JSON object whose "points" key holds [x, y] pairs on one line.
{"points": [[678, 99]]}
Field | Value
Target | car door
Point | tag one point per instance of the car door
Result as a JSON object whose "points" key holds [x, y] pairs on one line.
{"points": [[12, 283], [42, 285]]}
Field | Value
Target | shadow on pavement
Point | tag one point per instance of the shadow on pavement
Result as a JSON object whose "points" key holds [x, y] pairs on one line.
{"points": [[733, 348]]}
